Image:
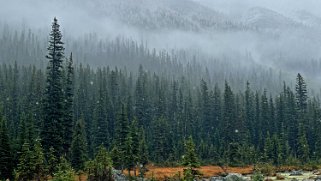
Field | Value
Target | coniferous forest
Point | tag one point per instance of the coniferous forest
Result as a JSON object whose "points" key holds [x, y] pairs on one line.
{"points": [[61, 118]]}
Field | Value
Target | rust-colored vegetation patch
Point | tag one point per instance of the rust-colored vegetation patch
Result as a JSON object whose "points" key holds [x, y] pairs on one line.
{"points": [[207, 171], [81, 177]]}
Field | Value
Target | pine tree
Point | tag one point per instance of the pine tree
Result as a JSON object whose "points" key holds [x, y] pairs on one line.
{"points": [[142, 153], [132, 145], [205, 110], [25, 166], [39, 161], [68, 105], [122, 131], [161, 147], [303, 146], [301, 94], [53, 130], [100, 169], [52, 161], [129, 156], [31, 164], [6, 159], [190, 160], [64, 171], [79, 146], [101, 125], [116, 157]]}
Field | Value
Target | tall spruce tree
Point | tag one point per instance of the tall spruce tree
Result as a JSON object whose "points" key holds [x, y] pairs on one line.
{"points": [[190, 160], [68, 105], [121, 135], [31, 164], [301, 94], [53, 127], [79, 146], [6, 159]]}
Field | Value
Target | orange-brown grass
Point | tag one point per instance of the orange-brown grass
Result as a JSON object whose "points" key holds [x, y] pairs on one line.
{"points": [[81, 177], [207, 171]]}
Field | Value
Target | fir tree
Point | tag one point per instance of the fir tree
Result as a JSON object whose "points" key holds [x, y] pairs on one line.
{"points": [[53, 128], [64, 171], [31, 164], [101, 124], [25, 166], [6, 158], [142, 150], [132, 146], [122, 131], [68, 105], [52, 161], [190, 160], [100, 169], [301, 94], [39, 161], [303, 146], [79, 146]]}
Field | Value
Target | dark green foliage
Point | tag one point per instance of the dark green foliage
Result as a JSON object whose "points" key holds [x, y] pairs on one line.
{"points": [[68, 106], [53, 108], [116, 157], [301, 94], [190, 160], [161, 145], [100, 168], [144, 115], [303, 146], [142, 150], [123, 139], [24, 169], [52, 161], [79, 146], [132, 147], [64, 171], [101, 122], [31, 164], [6, 157]]}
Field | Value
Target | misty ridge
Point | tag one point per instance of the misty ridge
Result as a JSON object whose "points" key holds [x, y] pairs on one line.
{"points": [[226, 39]]}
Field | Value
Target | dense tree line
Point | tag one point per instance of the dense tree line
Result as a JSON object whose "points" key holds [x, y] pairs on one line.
{"points": [[73, 114], [28, 47]]}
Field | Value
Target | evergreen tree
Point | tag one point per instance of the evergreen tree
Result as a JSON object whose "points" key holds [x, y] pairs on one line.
{"points": [[68, 105], [121, 135], [303, 146], [79, 146], [64, 171], [31, 162], [132, 145], [6, 158], [39, 161], [301, 94], [190, 160], [53, 128], [205, 110], [116, 157], [161, 147], [101, 135], [100, 169], [142, 153], [25, 166], [52, 161]]}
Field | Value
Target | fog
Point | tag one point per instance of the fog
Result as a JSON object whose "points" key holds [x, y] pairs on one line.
{"points": [[278, 34]]}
